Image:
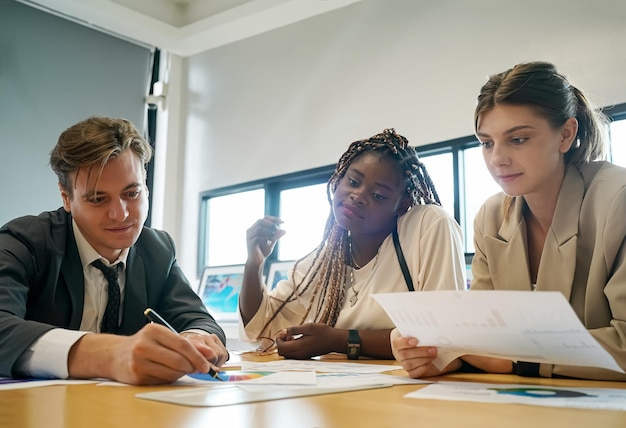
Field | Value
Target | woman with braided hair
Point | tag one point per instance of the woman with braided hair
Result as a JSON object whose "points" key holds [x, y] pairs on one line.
{"points": [[379, 189]]}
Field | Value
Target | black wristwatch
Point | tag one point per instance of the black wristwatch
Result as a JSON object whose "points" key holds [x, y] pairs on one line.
{"points": [[354, 345], [522, 368]]}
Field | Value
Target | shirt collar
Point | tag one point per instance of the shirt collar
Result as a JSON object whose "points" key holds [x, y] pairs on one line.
{"points": [[88, 254]]}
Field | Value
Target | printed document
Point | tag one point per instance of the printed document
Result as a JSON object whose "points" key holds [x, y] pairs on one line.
{"points": [[538, 327], [537, 395]]}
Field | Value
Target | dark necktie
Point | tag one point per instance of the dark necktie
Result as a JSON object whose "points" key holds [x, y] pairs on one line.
{"points": [[110, 321]]}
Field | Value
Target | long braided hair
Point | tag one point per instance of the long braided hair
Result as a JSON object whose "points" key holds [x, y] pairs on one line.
{"points": [[327, 273]]}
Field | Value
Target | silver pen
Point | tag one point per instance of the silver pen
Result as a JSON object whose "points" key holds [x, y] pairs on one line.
{"points": [[153, 316]]}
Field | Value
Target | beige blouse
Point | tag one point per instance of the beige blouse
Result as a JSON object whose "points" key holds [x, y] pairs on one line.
{"points": [[433, 247]]}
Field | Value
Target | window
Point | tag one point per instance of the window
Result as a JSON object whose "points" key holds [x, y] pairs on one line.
{"points": [[441, 170], [225, 215], [456, 167], [478, 186], [304, 211], [226, 218], [618, 142]]}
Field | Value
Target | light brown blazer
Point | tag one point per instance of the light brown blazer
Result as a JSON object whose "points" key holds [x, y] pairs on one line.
{"points": [[584, 256]]}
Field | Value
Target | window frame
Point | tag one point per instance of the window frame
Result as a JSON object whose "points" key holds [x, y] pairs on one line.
{"points": [[274, 185]]}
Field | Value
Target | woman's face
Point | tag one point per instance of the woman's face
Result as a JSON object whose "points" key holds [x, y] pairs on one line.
{"points": [[522, 151], [370, 196]]}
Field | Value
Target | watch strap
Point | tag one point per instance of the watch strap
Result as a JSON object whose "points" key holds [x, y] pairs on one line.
{"points": [[526, 369], [354, 345]]}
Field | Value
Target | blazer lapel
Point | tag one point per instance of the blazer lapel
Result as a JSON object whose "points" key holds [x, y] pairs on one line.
{"points": [[558, 260], [135, 295], [72, 272], [507, 252]]}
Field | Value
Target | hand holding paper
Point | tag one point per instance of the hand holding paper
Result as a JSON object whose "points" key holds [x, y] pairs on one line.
{"points": [[528, 326]]}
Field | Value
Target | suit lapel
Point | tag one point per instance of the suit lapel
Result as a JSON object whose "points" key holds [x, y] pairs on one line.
{"points": [[509, 262], [558, 261], [72, 273], [135, 294]]}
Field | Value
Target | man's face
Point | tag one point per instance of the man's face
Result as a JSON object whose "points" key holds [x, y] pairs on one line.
{"points": [[110, 213]]}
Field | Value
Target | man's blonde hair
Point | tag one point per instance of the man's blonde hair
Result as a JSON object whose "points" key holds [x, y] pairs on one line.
{"points": [[93, 142]]}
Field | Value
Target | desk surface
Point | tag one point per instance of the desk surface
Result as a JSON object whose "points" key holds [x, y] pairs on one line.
{"points": [[91, 405]]}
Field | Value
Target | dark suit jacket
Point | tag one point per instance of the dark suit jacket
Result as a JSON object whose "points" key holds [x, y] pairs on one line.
{"points": [[42, 285]]}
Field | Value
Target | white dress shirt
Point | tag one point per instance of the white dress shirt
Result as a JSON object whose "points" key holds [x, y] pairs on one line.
{"points": [[47, 357]]}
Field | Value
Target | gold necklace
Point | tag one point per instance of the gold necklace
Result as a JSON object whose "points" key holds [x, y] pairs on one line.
{"points": [[354, 263], [355, 293]]}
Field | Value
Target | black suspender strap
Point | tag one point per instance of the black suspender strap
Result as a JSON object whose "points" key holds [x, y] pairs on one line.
{"points": [[401, 260]]}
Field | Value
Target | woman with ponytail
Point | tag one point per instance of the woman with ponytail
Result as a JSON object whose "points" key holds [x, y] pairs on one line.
{"points": [[559, 223]]}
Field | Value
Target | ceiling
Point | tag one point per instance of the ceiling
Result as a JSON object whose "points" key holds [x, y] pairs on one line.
{"points": [[187, 27]]}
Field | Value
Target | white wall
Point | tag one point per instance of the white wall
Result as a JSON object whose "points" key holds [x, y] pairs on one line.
{"points": [[294, 98]]}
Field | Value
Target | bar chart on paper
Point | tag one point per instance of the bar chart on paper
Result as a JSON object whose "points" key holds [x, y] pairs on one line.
{"points": [[517, 325], [494, 319]]}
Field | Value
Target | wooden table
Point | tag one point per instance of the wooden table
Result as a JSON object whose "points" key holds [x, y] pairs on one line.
{"points": [[90, 405]]}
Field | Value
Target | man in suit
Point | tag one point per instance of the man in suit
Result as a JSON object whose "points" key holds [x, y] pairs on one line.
{"points": [[74, 283]]}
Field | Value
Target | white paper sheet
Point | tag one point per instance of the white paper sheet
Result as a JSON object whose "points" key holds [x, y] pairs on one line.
{"points": [[229, 394], [10, 383], [317, 366], [265, 378], [528, 326], [339, 380], [537, 395]]}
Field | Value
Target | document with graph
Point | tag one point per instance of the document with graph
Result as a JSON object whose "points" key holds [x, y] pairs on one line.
{"points": [[538, 327]]}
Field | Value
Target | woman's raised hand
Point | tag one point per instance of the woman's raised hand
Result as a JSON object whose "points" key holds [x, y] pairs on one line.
{"points": [[262, 236]]}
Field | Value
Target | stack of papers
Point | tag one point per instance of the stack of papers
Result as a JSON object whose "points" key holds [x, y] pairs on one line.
{"points": [[274, 380]]}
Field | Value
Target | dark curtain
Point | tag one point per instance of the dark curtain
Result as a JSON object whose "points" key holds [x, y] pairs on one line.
{"points": [[151, 127]]}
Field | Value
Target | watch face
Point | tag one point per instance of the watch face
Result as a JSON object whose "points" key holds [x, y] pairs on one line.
{"points": [[354, 350], [354, 345]]}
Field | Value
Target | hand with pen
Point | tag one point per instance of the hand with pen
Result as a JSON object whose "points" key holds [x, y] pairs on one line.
{"points": [[153, 355], [205, 343]]}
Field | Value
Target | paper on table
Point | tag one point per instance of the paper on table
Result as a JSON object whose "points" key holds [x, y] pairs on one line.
{"points": [[317, 366], [258, 378], [230, 393], [341, 380], [10, 383], [538, 395], [528, 326]]}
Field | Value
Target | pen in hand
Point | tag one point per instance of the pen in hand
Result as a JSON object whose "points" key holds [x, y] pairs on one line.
{"points": [[153, 316]]}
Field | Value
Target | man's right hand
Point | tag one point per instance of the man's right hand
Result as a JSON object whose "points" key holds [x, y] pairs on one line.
{"points": [[153, 355]]}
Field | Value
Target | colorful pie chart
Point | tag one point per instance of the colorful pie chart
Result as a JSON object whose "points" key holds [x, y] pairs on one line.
{"points": [[231, 375]]}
